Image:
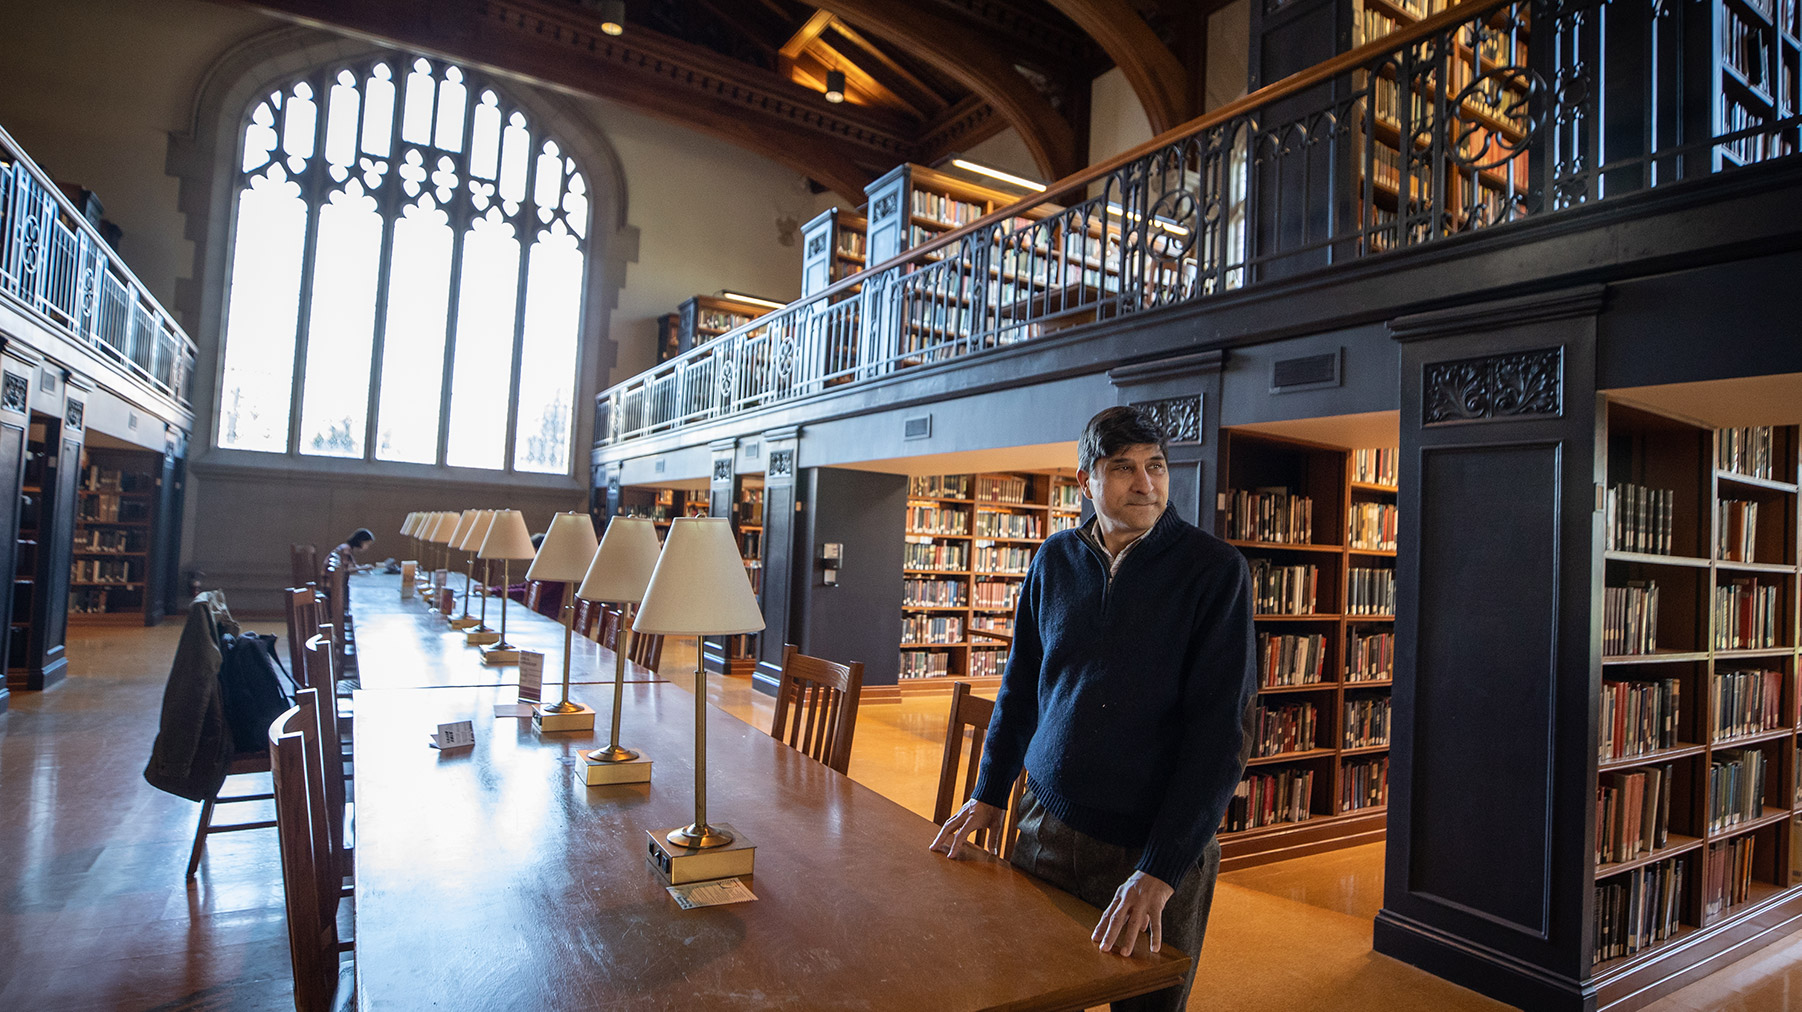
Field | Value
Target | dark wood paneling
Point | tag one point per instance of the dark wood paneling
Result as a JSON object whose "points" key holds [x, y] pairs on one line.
{"points": [[858, 619]]}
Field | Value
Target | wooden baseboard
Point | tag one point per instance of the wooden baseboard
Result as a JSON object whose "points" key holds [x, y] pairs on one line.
{"points": [[1316, 836]]}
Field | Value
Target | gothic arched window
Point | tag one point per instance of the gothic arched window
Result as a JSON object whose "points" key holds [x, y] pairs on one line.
{"points": [[406, 273]]}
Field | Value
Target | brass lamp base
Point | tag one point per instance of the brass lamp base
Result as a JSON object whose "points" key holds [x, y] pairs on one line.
{"points": [[500, 654], [729, 858], [550, 717], [597, 774], [465, 623], [481, 637], [700, 836], [611, 754]]}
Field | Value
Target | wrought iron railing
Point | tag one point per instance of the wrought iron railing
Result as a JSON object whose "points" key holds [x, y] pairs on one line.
{"points": [[55, 264], [1490, 113]]}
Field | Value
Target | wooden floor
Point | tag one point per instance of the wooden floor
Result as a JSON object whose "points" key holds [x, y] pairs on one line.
{"points": [[96, 914]]}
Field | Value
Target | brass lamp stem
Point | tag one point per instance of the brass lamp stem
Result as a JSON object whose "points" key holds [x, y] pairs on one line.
{"points": [[506, 588], [469, 579], [487, 575], [569, 629], [700, 835], [613, 753]]}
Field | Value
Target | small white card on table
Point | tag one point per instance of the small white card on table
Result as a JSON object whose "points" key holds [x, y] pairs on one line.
{"points": [[461, 734], [408, 572], [716, 893], [531, 676]]}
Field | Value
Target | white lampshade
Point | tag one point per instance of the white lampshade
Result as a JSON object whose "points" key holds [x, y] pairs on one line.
{"points": [[478, 530], [699, 587], [464, 522], [567, 549], [443, 529], [406, 526], [507, 537], [622, 568]]}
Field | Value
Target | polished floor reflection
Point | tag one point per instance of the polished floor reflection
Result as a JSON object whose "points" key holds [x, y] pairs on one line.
{"points": [[96, 914]]}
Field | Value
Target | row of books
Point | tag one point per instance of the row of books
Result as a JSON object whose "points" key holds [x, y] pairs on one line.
{"points": [[987, 662], [1726, 876], [1269, 514], [87, 601], [714, 319], [1369, 657], [750, 544], [108, 539], [1283, 590], [1366, 722], [1371, 25], [938, 629], [1375, 467], [1630, 618], [934, 593], [1370, 592], [1065, 522], [1638, 717], [851, 242], [1747, 702], [935, 555], [95, 478], [1751, 451], [1285, 660], [1001, 488], [1267, 799], [1066, 497], [923, 519], [1747, 615], [925, 664], [1753, 147], [997, 594], [945, 210], [1009, 525], [111, 507], [1373, 526], [996, 623], [1735, 787], [1633, 813], [1637, 908], [939, 486], [1011, 560], [1364, 783], [1277, 730], [101, 571], [1639, 519], [1737, 539]]}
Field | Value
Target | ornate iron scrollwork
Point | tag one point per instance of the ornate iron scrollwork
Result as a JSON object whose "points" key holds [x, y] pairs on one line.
{"points": [[1528, 384], [781, 464], [1178, 417]]}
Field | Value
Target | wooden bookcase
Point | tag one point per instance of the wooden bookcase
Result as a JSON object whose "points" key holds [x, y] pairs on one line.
{"points": [[27, 554], [832, 249], [1706, 566], [702, 318], [1322, 519], [913, 204], [115, 517], [1757, 57], [969, 541]]}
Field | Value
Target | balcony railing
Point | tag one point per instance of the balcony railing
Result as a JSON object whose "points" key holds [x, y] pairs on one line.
{"points": [[56, 265], [1486, 114]]}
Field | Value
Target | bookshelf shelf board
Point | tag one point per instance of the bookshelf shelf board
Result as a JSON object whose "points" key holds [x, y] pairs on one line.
{"points": [[925, 534], [997, 610], [97, 583], [1370, 683], [30, 488], [1621, 964], [1656, 657], [934, 607], [1021, 575], [980, 538], [934, 646], [1320, 617], [1735, 478], [98, 551], [1367, 486], [1370, 618], [1753, 654], [1677, 845], [1285, 546], [1288, 757], [937, 572], [1387, 553], [114, 523], [1774, 734], [1365, 749], [929, 498], [1682, 751], [1771, 817], [1309, 687], [1650, 559], [1756, 567], [1366, 810]]}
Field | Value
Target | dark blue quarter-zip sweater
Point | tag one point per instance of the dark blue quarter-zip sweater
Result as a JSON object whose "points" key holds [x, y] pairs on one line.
{"points": [[1125, 699]]}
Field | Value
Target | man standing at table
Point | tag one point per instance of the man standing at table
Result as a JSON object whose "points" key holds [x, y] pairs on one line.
{"points": [[1124, 700]]}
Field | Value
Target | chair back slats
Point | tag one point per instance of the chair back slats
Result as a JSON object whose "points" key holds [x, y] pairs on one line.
{"points": [[331, 763], [303, 563], [816, 707], [646, 651], [308, 884], [965, 732], [303, 622], [609, 632], [534, 593]]}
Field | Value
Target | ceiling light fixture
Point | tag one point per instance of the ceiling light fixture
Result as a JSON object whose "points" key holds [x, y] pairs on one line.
{"points": [[613, 16], [752, 299], [1006, 177], [835, 86]]}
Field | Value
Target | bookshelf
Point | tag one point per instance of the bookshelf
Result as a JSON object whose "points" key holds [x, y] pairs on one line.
{"points": [[115, 506], [1697, 786], [702, 318], [832, 249], [969, 541], [1317, 525], [1757, 57], [913, 204], [26, 554]]}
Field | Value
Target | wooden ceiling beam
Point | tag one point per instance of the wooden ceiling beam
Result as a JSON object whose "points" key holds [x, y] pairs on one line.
{"points": [[1157, 77], [899, 79], [954, 52]]}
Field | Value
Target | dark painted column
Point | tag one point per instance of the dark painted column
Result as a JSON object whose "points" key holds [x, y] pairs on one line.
{"points": [[1491, 779], [780, 559], [857, 618], [1183, 395], [18, 364], [722, 490]]}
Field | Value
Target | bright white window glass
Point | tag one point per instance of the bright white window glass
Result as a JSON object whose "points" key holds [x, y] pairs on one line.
{"points": [[482, 367], [256, 389], [575, 202], [485, 137], [515, 150], [341, 325], [416, 119], [300, 123], [418, 299], [547, 366], [451, 97], [259, 138], [341, 125], [547, 181], [378, 110]]}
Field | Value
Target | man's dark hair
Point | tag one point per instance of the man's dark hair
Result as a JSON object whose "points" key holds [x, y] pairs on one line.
{"points": [[359, 538], [1114, 430]]}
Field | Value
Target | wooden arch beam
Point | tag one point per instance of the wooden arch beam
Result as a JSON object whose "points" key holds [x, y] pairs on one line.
{"points": [[1157, 77], [954, 51]]}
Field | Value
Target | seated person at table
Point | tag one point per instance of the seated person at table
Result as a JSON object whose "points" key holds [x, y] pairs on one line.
{"points": [[346, 553]]}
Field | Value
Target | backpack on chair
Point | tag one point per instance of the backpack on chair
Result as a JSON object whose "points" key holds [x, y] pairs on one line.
{"points": [[256, 688]]}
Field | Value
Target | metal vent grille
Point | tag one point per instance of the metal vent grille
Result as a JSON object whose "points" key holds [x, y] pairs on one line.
{"points": [[1305, 373], [917, 428]]}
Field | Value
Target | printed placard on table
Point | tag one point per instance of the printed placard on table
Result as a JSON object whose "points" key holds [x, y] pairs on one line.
{"points": [[408, 572], [457, 734], [531, 676]]}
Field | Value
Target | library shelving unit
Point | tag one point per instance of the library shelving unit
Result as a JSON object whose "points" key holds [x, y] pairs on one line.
{"points": [[1697, 789], [969, 541], [26, 556], [702, 318], [832, 249], [1317, 524], [1757, 56], [913, 204], [115, 510]]}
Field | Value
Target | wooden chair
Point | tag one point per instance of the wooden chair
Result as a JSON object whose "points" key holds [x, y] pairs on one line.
{"points": [[310, 888], [302, 609], [816, 706], [607, 629], [582, 622], [334, 729], [303, 563], [336, 613], [241, 764], [970, 716], [647, 651]]}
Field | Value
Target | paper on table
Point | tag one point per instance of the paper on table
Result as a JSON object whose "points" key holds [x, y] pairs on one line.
{"points": [[460, 734], [531, 676], [513, 709], [711, 894]]}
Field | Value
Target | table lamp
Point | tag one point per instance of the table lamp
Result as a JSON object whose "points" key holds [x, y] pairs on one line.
{"points": [[620, 572], [479, 634], [699, 588], [409, 568], [442, 530], [507, 541], [568, 548], [465, 524]]}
